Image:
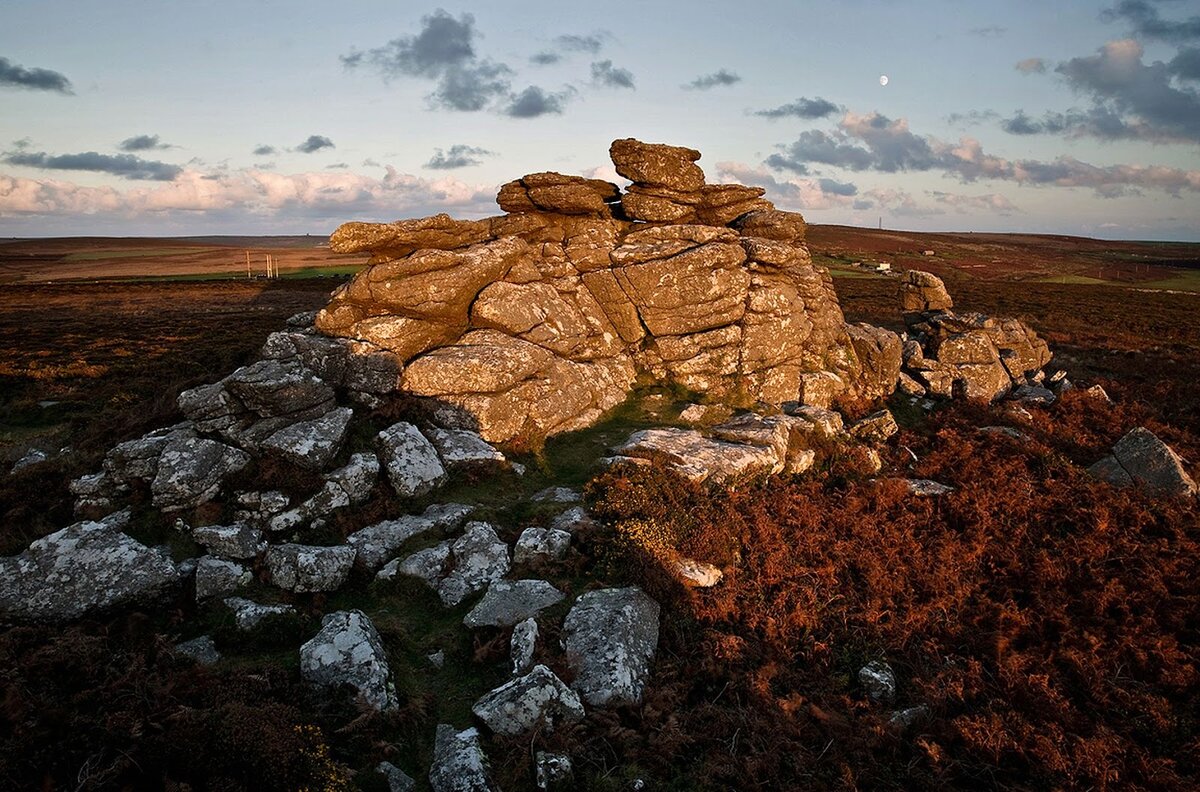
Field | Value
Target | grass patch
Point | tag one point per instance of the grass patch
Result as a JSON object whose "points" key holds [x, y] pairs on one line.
{"points": [[105, 255]]}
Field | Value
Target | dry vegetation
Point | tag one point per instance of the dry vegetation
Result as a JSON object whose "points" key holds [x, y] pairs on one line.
{"points": [[1049, 623]]}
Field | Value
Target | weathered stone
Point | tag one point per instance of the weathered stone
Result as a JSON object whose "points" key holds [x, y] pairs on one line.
{"points": [[428, 565], [379, 542], [904, 719], [312, 444], [879, 355], [537, 700], [820, 388], [190, 471], [878, 681], [308, 568], [217, 576], [440, 232], [721, 204], [522, 645], [815, 420], [1110, 470], [1152, 464], [248, 614], [536, 543], [657, 163], [773, 224], [272, 388], [553, 772], [459, 763], [479, 558], [507, 602], [554, 192], [411, 460], [85, 568], [874, 428], [357, 477], [348, 652], [927, 487], [923, 291], [610, 637], [697, 457], [462, 448], [397, 780], [1032, 394], [697, 573], [201, 650], [556, 495], [573, 519], [231, 541]]}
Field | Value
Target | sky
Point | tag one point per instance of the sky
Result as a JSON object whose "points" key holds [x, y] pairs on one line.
{"points": [[145, 118]]}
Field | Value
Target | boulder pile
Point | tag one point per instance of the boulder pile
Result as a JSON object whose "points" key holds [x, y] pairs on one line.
{"points": [[537, 321]]}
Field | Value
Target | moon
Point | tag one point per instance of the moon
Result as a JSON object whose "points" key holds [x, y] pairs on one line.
{"points": [[883, 80]]}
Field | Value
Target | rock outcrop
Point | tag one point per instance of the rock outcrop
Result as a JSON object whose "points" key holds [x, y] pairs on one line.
{"points": [[965, 355], [536, 322]]}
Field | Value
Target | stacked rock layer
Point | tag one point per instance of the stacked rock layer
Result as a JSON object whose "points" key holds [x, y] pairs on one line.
{"points": [[537, 321]]}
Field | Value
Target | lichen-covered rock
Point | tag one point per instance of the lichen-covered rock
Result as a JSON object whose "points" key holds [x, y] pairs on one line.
{"points": [[1141, 459], [304, 568], [537, 700], [231, 541], [377, 543], [397, 780], [412, 463], [462, 448], [348, 652], [610, 637], [312, 444], [923, 291], [878, 681], [191, 469], [700, 458], [440, 232], [85, 568], [874, 428], [537, 543], [522, 645], [248, 614], [459, 763], [202, 650], [553, 772], [507, 602], [218, 576], [672, 167], [357, 477], [479, 557]]}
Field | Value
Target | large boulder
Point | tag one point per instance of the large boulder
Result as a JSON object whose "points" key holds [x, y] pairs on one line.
{"points": [[610, 637], [83, 569], [348, 652], [554, 192]]}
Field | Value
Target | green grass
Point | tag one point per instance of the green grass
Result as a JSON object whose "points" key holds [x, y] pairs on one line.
{"points": [[1086, 280], [838, 272], [1188, 280]]}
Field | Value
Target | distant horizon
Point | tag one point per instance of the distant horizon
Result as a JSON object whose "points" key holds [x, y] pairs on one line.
{"points": [[136, 119]]}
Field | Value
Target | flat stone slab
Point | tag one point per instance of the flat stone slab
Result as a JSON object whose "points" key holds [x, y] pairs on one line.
{"points": [[479, 557], [248, 614], [85, 568], [507, 602], [238, 541], [462, 448], [303, 568], [312, 444], [610, 637], [378, 543], [701, 458], [348, 652]]}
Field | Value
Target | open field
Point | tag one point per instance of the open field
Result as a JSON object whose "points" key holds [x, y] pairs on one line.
{"points": [[1048, 621]]}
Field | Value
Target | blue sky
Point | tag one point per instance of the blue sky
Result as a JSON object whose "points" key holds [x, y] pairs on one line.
{"points": [[153, 118]]}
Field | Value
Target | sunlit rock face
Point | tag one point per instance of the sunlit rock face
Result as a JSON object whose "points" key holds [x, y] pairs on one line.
{"points": [[539, 320]]}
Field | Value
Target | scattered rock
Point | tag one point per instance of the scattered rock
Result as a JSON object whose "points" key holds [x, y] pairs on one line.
{"points": [[376, 544], [459, 763], [411, 460], [875, 428], [878, 681], [397, 780], [247, 614], [507, 602], [217, 576], [202, 650], [522, 645], [462, 448], [437, 659], [312, 444], [699, 458], [902, 720], [32, 457], [479, 557], [553, 772], [1098, 392], [1148, 463], [304, 568], [927, 488], [348, 652], [231, 541], [697, 573], [817, 420], [428, 565], [1032, 394], [537, 700], [85, 568], [610, 637], [190, 471], [536, 543]]}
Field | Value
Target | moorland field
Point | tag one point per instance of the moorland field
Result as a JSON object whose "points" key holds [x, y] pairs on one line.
{"points": [[1048, 622]]}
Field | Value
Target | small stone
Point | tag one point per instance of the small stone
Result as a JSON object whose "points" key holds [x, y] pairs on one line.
{"points": [[697, 573], [462, 448], [522, 645], [1032, 394], [231, 541], [537, 700], [412, 462], [879, 681], [926, 487], [247, 614], [304, 568], [553, 772], [507, 602], [202, 650], [536, 543], [437, 659], [902, 720], [1098, 392], [556, 495], [572, 520], [875, 428], [397, 780], [428, 565], [217, 576]]}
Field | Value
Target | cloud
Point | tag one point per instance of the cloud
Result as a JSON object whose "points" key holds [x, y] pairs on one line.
{"points": [[16, 76], [1148, 24], [1031, 66], [796, 194], [1186, 64], [837, 188], [544, 58], [443, 51], [605, 74], [264, 151], [801, 108], [244, 199], [992, 202], [142, 143], [535, 101], [127, 166], [337, 166], [314, 144], [458, 156], [878, 143], [1121, 85], [990, 31], [972, 117], [719, 78], [592, 43]]}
